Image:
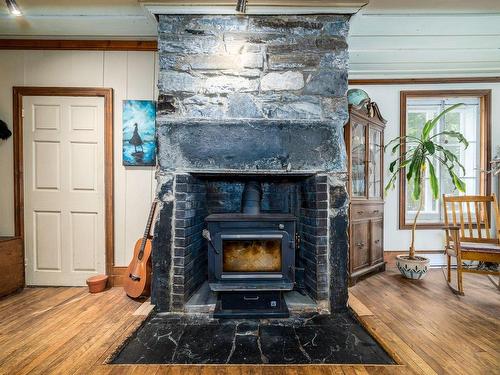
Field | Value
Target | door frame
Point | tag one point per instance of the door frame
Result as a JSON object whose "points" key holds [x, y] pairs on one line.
{"points": [[18, 124]]}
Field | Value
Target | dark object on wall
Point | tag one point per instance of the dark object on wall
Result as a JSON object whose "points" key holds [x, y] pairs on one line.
{"points": [[364, 137], [4, 130]]}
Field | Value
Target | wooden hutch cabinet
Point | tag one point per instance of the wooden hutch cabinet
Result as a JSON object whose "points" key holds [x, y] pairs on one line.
{"points": [[364, 137]]}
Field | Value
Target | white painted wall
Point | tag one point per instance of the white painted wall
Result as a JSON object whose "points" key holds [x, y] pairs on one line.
{"points": [[132, 75], [387, 98]]}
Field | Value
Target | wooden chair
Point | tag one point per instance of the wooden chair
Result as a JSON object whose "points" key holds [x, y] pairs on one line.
{"points": [[469, 233]]}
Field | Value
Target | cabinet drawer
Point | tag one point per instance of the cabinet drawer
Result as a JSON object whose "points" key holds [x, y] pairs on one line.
{"points": [[365, 211]]}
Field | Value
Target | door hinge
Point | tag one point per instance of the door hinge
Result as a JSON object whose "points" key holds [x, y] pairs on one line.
{"points": [[22, 113], [297, 241]]}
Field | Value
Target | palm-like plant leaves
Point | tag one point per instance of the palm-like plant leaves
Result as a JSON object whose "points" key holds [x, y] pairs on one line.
{"points": [[431, 124], [433, 180], [424, 153]]}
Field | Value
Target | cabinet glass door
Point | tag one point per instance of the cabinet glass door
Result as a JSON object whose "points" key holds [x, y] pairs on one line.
{"points": [[358, 160], [375, 162]]}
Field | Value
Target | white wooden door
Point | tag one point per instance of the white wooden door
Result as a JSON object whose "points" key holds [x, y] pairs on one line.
{"points": [[63, 189]]}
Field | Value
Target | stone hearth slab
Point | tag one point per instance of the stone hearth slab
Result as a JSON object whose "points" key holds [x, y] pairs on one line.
{"points": [[184, 339], [203, 302]]}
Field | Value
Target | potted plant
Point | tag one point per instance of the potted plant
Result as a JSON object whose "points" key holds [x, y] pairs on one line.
{"points": [[421, 156]]}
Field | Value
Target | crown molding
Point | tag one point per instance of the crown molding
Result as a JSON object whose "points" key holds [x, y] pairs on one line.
{"points": [[259, 7]]}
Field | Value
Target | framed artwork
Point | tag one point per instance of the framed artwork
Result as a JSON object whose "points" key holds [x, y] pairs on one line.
{"points": [[139, 145]]}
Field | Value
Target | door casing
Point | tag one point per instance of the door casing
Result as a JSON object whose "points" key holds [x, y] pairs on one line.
{"points": [[116, 273]]}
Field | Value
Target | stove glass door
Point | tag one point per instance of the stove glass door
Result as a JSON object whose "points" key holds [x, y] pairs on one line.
{"points": [[251, 255]]}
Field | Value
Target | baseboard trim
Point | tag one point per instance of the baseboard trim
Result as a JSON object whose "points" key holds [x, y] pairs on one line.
{"points": [[390, 256], [117, 278]]}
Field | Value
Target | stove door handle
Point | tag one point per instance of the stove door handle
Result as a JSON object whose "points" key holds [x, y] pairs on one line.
{"points": [[206, 234], [256, 298]]}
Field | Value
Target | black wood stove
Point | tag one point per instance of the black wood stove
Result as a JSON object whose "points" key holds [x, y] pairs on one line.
{"points": [[251, 259]]}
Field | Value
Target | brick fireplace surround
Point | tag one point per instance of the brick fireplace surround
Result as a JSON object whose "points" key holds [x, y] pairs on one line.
{"points": [[260, 97]]}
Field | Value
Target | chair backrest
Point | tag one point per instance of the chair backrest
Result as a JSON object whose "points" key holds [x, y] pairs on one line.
{"points": [[471, 214]]}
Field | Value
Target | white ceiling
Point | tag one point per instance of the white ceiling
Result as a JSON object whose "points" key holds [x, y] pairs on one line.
{"points": [[128, 19]]}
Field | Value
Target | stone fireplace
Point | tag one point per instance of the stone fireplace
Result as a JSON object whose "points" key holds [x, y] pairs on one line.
{"points": [[251, 98]]}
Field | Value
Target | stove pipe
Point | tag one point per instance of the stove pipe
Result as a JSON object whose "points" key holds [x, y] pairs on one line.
{"points": [[250, 200]]}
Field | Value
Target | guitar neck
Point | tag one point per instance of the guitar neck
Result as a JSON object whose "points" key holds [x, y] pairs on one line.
{"points": [[148, 229]]}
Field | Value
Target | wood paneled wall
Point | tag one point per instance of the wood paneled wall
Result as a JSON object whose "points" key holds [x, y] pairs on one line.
{"points": [[131, 75]]}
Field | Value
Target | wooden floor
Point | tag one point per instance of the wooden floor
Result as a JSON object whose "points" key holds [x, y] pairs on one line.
{"points": [[427, 328]]}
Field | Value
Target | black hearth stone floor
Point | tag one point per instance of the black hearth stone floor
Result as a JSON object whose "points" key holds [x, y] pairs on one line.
{"points": [[198, 340]]}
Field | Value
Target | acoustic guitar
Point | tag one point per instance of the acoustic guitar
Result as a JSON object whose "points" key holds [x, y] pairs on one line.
{"points": [[138, 280]]}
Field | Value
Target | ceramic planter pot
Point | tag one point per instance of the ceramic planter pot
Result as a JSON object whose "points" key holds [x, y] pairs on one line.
{"points": [[412, 268], [97, 283]]}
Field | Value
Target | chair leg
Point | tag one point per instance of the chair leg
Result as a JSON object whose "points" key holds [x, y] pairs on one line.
{"points": [[448, 258], [459, 277]]}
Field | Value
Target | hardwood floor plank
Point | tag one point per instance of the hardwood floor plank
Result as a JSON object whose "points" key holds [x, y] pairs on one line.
{"points": [[442, 329], [422, 324]]}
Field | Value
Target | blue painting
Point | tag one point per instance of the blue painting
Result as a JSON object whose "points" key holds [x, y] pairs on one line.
{"points": [[139, 146]]}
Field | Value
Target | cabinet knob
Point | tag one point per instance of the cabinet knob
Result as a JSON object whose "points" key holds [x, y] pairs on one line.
{"points": [[377, 241], [360, 244], [361, 212], [376, 211]]}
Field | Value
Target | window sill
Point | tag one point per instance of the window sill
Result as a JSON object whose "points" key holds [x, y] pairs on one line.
{"points": [[428, 226]]}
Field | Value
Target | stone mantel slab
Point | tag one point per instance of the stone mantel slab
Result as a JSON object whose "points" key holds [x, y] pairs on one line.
{"points": [[250, 145]]}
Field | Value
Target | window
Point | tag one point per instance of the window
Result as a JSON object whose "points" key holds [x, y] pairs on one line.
{"points": [[472, 120]]}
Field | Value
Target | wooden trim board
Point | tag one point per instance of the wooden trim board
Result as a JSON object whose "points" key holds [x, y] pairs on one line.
{"points": [[79, 45], [106, 93]]}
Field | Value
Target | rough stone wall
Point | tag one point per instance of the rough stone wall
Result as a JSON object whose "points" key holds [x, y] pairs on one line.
{"points": [[259, 93], [338, 256], [272, 89], [161, 257], [253, 67]]}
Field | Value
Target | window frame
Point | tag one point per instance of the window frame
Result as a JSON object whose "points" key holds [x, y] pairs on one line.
{"points": [[484, 140]]}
